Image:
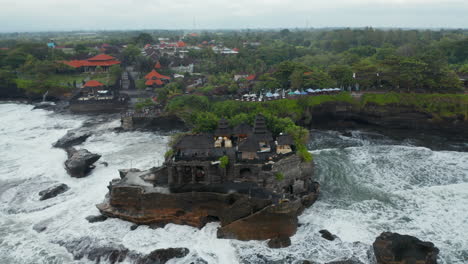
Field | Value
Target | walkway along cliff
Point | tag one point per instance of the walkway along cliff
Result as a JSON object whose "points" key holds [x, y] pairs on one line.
{"points": [[253, 183]]}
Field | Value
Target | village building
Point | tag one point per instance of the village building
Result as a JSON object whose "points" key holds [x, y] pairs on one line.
{"points": [[154, 79], [103, 61], [93, 89]]}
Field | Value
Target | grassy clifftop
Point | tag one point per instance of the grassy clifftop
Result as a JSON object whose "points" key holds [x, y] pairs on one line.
{"points": [[440, 105]]}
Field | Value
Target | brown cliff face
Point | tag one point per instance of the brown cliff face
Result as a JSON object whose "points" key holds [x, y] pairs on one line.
{"points": [[271, 222]]}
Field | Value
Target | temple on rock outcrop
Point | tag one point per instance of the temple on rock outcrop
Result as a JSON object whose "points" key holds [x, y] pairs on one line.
{"points": [[248, 150], [247, 178]]}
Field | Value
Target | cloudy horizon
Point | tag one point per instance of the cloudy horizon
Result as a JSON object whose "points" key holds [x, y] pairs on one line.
{"points": [[55, 15]]}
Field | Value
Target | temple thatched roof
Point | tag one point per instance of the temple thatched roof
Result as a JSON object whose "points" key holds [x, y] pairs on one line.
{"points": [[223, 129], [249, 145], [242, 129], [285, 140], [197, 141]]}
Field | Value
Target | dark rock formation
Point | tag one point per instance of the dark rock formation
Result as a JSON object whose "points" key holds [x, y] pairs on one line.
{"points": [[84, 248], [279, 242], [80, 162], [348, 261], [134, 227], [393, 248], [72, 138], [109, 254], [96, 218], [345, 116], [327, 235], [163, 255], [53, 191], [161, 122], [40, 227]]}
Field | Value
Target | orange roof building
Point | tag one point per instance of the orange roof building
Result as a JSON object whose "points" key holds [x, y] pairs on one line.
{"points": [[101, 60], [157, 65], [156, 74], [154, 78], [152, 82], [93, 84]]}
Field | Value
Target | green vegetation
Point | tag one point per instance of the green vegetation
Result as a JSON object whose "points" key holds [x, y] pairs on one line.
{"points": [[441, 105], [224, 162], [169, 154], [143, 103], [279, 176]]}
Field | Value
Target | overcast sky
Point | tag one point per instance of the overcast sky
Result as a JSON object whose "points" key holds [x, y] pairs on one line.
{"points": [[43, 15]]}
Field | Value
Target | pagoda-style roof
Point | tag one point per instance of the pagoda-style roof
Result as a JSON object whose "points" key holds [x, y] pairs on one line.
{"points": [[260, 129], [157, 75], [242, 129], [93, 83], [223, 129], [157, 65], [152, 82]]}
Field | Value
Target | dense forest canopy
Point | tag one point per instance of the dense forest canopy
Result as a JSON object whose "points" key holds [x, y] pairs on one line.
{"points": [[368, 58]]}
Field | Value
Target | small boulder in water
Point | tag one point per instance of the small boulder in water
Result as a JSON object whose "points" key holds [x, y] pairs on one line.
{"points": [[163, 255], [80, 162], [96, 218], [279, 242], [393, 248], [327, 235], [72, 138], [53, 191], [134, 227], [40, 227]]}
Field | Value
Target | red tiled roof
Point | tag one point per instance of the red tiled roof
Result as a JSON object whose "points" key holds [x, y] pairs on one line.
{"points": [[157, 65], [99, 60], [181, 44], [102, 57], [152, 82], [251, 77], [93, 83], [235, 49], [156, 74]]}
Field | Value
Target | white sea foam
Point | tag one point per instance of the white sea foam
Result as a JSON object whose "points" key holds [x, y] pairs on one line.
{"points": [[367, 189]]}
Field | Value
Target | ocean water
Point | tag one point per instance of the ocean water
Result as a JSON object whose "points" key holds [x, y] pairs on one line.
{"points": [[371, 183]]}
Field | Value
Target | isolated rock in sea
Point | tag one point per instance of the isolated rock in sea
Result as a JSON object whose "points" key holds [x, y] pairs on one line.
{"points": [[327, 235], [279, 242], [53, 191], [393, 248], [96, 218], [40, 227], [80, 162], [72, 138], [163, 255], [85, 248]]}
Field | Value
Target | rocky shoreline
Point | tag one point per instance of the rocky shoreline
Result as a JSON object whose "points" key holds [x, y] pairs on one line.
{"points": [[389, 248]]}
